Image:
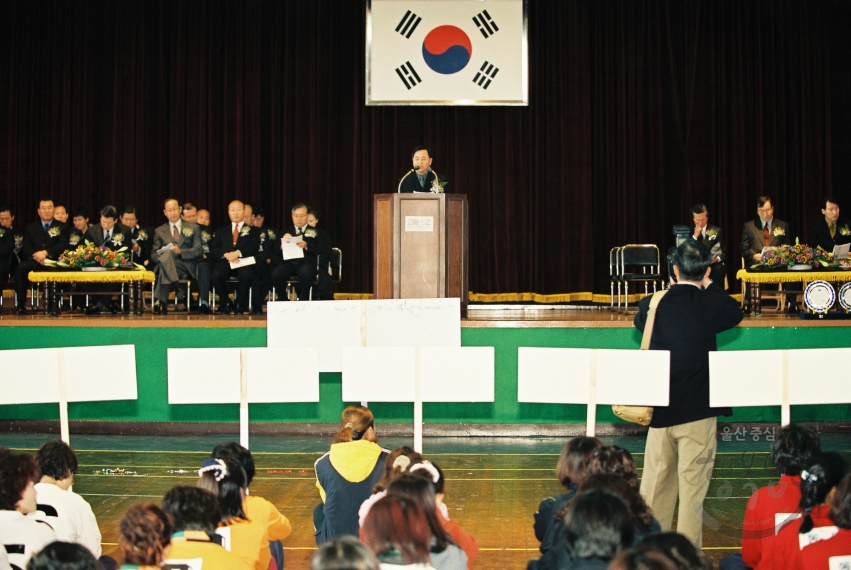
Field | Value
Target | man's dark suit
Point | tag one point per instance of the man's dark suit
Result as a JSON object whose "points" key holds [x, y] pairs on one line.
{"points": [[144, 237], [119, 237], [7, 250], [53, 241], [753, 240], [263, 268], [248, 244], [324, 284], [713, 236], [820, 234], [303, 269], [411, 183]]}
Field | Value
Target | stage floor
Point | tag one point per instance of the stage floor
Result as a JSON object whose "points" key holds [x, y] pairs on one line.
{"points": [[493, 485], [478, 316]]}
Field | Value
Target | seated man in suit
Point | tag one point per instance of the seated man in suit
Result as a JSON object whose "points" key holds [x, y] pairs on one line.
{"points": [[43, 240], [233, 245], [7, 224], [205, 264], [189, 213], [421, 178], [764, 231], [175, 253], [80, 226], [7, 248], [113, 236], [713, 239], [831, 230], [141, 237], [263, 283], [302, 268], [60, 212]]}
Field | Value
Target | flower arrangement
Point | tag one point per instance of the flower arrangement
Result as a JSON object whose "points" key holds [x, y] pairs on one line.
{"points": [[787, 256], [91, 255]]}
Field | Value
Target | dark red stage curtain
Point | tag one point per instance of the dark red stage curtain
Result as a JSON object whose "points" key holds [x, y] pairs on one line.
{"points": [[637, 110]]}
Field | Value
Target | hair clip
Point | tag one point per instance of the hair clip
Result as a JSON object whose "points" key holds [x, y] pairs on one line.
{"points": [[402, 461], [427, 466], [350, 426], [216, 465], [808, 477]]}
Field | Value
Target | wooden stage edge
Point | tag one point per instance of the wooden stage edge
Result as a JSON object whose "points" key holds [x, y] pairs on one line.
{"points": [[478, 316], [80, 427]]}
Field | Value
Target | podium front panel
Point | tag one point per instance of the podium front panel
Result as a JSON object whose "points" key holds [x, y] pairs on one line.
{"points": [[420, 249]]}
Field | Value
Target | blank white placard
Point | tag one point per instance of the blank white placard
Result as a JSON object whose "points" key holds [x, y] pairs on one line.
{"points": [[413, 322], [633, 377], [98, 373], [820, 376], [327, 327], [379, 374], [203, 375], [553, 375], [282, 375], [30, 376], [746, 378], [456, 374]]}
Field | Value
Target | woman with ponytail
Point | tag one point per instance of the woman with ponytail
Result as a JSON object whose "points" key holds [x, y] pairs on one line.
{"points": [[226, 479], [817, 556], [818, 485], [346, 475]]}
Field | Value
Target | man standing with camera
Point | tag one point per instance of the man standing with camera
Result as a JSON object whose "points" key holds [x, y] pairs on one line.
{"points": [[680, 451]]}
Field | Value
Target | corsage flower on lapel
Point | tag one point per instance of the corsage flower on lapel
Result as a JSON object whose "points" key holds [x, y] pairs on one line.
{"points": [[245, 230], [711, 234], [54, 231], [310, 233], [117, 239], [778, 231], [187, 232]]}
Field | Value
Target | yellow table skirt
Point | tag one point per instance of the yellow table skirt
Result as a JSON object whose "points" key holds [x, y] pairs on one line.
{"points": [[791, 276], [70, 276]]}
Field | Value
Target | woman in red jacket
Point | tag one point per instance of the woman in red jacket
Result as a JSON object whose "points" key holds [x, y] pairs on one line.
{"points": [[818, 555]]}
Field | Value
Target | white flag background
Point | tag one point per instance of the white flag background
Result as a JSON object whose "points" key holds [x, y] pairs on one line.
{"points": [[446, 52]]}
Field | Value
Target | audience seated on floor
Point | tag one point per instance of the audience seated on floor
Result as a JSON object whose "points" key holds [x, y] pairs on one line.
{"points": [[64, 556], [346, 475], [570, 471], [836, 543], [818, 484], [344, 553], [792, 450], [144, 537], [444, 554], [616, 463], [597, 525], [196, 515], [677, 549], [248, 539], [67, 512], [21, 535], [397, 462], [397, 532], [257, 508]]}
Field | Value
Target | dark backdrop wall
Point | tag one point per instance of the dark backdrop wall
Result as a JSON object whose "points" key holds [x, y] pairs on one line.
{"points": [[637, 110]]}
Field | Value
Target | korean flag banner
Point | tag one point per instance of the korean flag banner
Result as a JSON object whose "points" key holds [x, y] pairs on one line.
{"points": [[446, 52]]}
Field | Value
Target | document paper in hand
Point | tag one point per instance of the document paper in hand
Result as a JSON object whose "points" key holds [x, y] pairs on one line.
{"points": [[290, 249]]}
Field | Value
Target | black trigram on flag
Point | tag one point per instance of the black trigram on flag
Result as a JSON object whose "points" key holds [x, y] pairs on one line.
{"points": [[485, 75], [408, 24], [485, 23], [408, 76]]}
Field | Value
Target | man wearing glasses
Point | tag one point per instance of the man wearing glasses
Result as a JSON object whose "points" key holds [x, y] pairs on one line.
{"points": [[764, 231]]}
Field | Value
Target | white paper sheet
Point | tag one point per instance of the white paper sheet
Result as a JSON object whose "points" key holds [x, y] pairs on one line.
{"points": [[242, 262], [289, 248]]}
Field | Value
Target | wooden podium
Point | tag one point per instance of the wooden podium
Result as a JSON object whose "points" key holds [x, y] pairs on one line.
{"points": [[420, 246]]}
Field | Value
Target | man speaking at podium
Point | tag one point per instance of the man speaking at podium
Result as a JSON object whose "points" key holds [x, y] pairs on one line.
{"points": [[421, 178]]}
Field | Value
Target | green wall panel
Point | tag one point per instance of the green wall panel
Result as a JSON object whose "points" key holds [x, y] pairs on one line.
{"points": [[151, 370]]}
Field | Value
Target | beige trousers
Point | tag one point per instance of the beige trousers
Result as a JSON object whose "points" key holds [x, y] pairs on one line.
{"points": [[678, 460]]}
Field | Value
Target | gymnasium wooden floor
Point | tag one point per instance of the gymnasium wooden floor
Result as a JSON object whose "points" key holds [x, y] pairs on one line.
{"points": [[493, 484]]}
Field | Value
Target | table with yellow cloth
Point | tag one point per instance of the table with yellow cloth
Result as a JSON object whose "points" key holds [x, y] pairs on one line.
{"points": [[755, 279], [49, 279]]}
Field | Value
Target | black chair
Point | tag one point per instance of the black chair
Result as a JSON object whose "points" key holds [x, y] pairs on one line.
{"points": [[614, 277], [641, 263]]}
